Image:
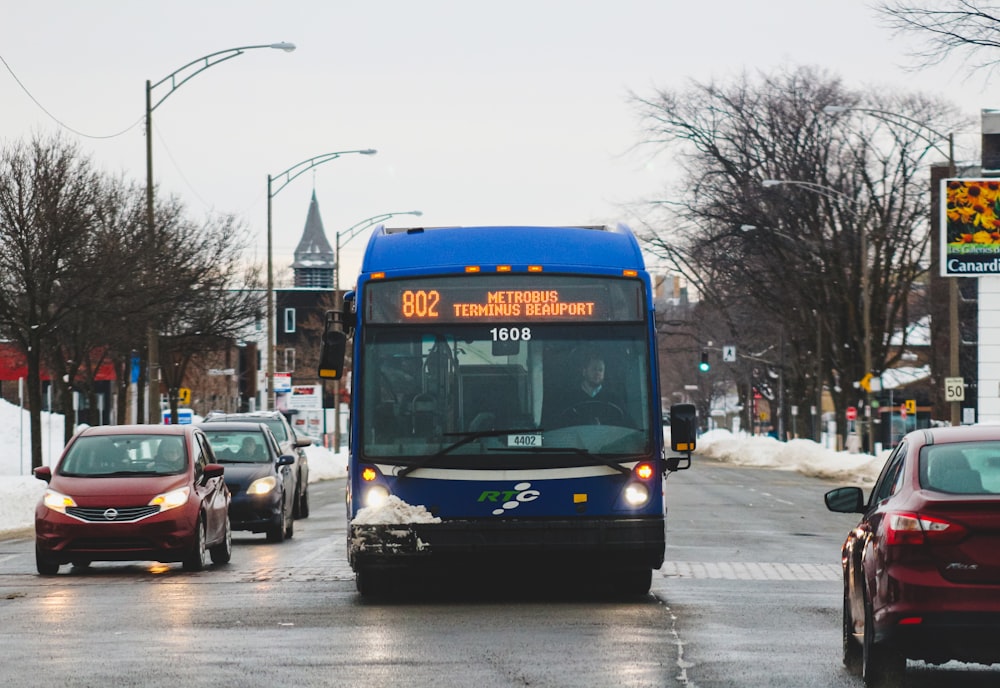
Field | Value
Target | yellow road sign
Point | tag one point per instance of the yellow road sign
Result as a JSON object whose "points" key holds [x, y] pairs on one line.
{"points": [[911, 405], [184, 396], [866, 382]]}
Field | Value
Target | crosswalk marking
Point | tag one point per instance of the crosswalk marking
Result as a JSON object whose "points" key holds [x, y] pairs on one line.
{"points": [[757, 571]]}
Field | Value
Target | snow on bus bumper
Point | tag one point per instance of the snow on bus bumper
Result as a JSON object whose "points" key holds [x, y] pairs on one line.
{"points": [[627, 542]]}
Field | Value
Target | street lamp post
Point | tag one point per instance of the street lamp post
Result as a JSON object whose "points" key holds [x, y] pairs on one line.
{"points": [[285, 178], [866, 324], [172, 82], [953, 332], [350, 233]]}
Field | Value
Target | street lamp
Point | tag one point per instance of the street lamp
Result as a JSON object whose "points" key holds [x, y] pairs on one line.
{"points": [[286, 178], [176, 79], [866, 306], [953, 333]]}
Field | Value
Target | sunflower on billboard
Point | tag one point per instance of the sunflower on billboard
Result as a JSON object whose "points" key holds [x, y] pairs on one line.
{"points": [[973, 214]]}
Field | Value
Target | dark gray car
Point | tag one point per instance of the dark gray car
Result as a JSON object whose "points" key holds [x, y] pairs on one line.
{"points": [[259, 476], [288, 441]]}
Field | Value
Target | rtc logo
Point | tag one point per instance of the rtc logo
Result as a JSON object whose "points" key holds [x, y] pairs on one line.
{"points": [[510, 499]]}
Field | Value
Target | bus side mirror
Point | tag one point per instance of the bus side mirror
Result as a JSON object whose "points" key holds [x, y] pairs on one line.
{"points": [[683, 427], [336, 329], [331, 356]]}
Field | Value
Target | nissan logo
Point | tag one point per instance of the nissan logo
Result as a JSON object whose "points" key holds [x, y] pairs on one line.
{"points": [[111, 514]]}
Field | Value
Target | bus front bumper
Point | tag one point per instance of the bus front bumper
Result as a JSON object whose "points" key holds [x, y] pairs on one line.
{"points": [[625, 542]]}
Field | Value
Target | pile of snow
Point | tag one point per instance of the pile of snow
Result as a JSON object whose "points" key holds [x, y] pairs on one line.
{"points": [[394, 512], [804, 456]]}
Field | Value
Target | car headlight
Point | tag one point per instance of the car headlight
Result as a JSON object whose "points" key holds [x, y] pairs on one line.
{"points": [[57, 501], [262, 486], [636, 494], [376, 496], [172, 499]]}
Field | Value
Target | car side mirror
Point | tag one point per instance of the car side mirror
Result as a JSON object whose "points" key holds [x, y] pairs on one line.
{"points": [[43, 473], [845, 500], [212, 470], [286, 460]]}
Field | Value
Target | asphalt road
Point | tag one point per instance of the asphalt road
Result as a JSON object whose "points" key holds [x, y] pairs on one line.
{"points": [[750, 596]]}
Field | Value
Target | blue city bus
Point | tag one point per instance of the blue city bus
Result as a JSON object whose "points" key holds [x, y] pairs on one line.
{"points": [[471, 439]]}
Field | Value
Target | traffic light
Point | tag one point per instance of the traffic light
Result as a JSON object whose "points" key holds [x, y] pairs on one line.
{"points": [[704, 366]]}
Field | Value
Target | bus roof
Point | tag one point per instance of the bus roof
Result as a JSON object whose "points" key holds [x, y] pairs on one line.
{"points": [[451, 249]]}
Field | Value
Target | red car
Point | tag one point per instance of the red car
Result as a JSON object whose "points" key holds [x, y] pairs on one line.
{"points": [[922, 568], [133, 492]]}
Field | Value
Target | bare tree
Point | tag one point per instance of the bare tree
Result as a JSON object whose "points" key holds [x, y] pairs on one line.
{"points": [[100, 330], [47, 199], [795, 268], [971, 27], [212, 299]]}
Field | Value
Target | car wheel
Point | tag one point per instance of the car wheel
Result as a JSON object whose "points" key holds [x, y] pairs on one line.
{"points": [[303, 510], [852, 649], [276, 531], [881, 666], [633, 582], [223, 552], [197, 557], [45, 566]]}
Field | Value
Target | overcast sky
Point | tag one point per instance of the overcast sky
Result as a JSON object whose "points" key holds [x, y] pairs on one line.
{"points": [[482, 112]]}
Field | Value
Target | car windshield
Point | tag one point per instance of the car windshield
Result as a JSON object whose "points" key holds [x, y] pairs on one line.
{"points": [[277, 429], [102, 456], [961, 468], [238, 447], [275, 425]]}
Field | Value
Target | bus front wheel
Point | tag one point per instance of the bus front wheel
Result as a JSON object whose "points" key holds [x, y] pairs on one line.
{"points": [[370, 582]]}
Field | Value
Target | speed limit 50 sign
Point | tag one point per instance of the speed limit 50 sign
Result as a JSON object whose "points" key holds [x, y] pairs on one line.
{"points": [[954, 389]]}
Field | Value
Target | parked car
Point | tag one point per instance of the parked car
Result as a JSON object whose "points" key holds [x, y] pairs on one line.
{"points": [[922, 568], [259, 476], [289, 442], [130, 493]]}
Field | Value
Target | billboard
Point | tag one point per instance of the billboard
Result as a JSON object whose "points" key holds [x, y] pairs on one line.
{"points": [[970, 227]]}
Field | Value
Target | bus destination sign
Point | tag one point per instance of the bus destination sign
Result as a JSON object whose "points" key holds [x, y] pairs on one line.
{"points": [[484, 300]]}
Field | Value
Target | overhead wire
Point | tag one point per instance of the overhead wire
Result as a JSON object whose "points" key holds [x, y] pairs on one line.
{"points": [[56, 119]]}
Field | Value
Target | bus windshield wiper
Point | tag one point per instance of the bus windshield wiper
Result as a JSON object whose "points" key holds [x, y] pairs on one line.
{"points": [[611, 460], [466, 438]]}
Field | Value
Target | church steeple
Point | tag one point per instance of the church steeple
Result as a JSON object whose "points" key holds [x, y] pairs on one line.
{"points": [[314, 260]]}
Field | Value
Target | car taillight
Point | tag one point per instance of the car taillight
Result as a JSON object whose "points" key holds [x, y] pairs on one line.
{"points": [[903, 528]]}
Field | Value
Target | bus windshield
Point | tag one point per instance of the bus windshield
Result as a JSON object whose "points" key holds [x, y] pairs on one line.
{"points": [[505, 391]]}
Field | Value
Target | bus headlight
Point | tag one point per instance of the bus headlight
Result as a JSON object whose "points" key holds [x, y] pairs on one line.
{"points": [[636, 494], [376, 496]]}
